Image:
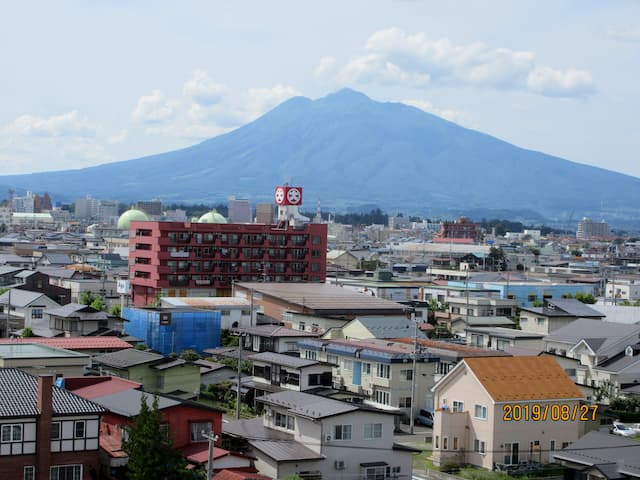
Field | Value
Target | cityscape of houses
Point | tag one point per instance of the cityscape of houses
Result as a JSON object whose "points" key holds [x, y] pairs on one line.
{"points": [[278, 346]]}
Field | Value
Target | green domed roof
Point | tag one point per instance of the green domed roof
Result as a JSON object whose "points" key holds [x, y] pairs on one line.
{"points": [[212, 217], [130, 215]]}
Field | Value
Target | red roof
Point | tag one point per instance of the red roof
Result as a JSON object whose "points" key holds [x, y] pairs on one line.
{"points": [[75, 343], [93, 387], [238, 475], [199, 453]]}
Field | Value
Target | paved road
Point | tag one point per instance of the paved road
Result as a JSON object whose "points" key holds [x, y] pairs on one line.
{"points": [[418, 437]]}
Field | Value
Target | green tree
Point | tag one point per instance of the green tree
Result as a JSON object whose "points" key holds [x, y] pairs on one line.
{"points": [[98, 304], [115, 310], [27, 332], [151, 456], [497, 259], [87, 297], [585, 298], [190, 355]]}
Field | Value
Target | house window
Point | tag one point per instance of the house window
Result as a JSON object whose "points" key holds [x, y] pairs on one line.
{"points": [[332, 359], [565, 444], [405, 402], [29, 472], [406, 374], [382, 397], [310, 355], [11, 433], [198, 430], [375, 473], [372, 430], [347, 364], [285, 421], [366, 368], [383, 371], [66, 472], [301, 326], [552, 445], [55, 431], [540, 320], [36, 313], [445, 443], [480, 411], [478, 446], [437, 444], [342, 432], [79, 429], [457, 406], [455, 443], [532, 297]]}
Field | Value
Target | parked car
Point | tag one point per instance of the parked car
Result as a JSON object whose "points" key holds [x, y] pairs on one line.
{"points": [[425, 417], [622, 430]]}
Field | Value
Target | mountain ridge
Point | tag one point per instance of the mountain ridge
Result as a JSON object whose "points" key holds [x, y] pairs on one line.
{"points": [[348, 149]]}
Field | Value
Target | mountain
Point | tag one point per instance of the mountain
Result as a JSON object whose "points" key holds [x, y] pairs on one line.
{"points": [[349, 150]]}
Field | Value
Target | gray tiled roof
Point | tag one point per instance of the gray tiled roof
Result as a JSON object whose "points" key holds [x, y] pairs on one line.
{"points": [[388, 327], [608, 338], [58, 259], [20, 298], [79, 311], [18, 397], [275, 444], [275, 331], [127, 358], [307, 405], [57, 272], [598, 448], [281, 359], [128, 402], [505, 332], [575, 307]]}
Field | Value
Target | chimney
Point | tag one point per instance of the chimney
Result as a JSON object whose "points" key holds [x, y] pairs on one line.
{"points": [[43, 439]]}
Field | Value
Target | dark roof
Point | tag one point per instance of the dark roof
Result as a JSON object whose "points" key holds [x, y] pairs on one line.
{"points": [[281, 359], [20, 298], [18, 397], [78, 310], [275, 331], [608, 338], [127, 402], [565, 307], [127, 358], [277, 445], [307, 405], [603, 449], [325, 298]]}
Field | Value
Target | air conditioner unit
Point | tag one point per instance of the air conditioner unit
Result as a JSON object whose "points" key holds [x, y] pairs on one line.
{"points": [[339, 464], [327, 438]]}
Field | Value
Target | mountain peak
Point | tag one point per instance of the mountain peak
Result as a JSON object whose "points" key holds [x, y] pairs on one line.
{"points": [[346, 95]]}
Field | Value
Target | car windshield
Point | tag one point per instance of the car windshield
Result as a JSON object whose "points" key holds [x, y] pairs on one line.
{"points": [[622, 427]]}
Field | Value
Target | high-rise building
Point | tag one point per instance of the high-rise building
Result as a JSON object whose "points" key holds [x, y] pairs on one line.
{"points": [[462, 230], [265, 213], [239, 211], [204, 259], [589, 230], [24, 204], [97, 210], [150, 207]]}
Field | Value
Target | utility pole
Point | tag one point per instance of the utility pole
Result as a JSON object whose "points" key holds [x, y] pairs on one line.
{"points": [[466, 287], [413, 376], [8, 311], [212, 437], [238, 393]]}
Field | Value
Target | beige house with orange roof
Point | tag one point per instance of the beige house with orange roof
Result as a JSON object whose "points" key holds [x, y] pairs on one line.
{"points": [[506, 410]]}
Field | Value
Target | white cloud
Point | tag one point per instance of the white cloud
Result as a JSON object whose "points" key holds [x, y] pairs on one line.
{"points": [[260, 100], [559, 83], [393, 57], [462, 118], [118, 137], [202, 90], [154, 108], [69, 124], [325, 66]]}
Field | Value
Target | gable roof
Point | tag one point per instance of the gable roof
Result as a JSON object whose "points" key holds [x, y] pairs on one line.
{"points": [[307, 405], [601, 450], [21, 298], [127, 402], [19, 397], [282, 359], [93, 387], [127, 358], [565, 307], [523, 378], [275, 331], [236, 475], [79, 311], [386, 327], [604, 338]]}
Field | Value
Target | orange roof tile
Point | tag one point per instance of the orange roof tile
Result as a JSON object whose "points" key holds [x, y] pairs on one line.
{"points": [[75, 343], [523, 378]]}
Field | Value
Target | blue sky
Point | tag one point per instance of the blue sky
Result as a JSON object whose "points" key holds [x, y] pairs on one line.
{"points": [[84, 83]]}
